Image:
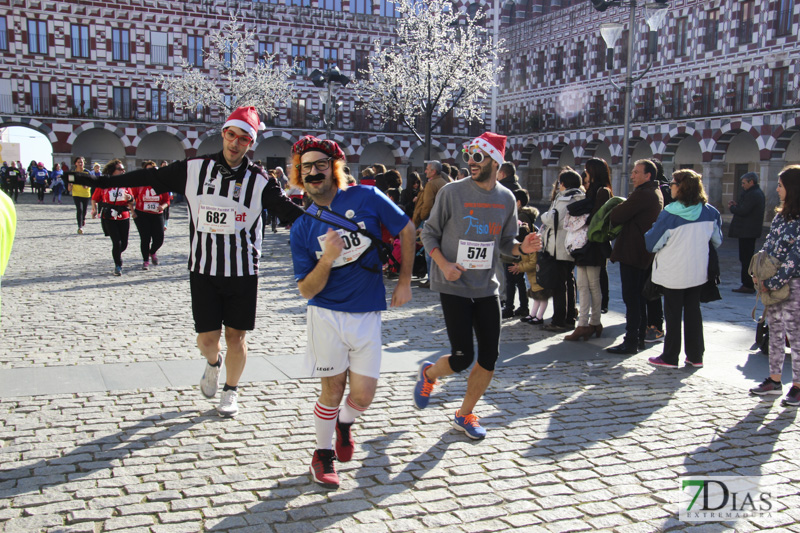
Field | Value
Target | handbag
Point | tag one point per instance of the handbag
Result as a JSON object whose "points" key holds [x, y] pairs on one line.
{"points": [[764, 266], [547, 265], [709, 291], [652, 291], [577, 228], [546, 271], [762, 335]]}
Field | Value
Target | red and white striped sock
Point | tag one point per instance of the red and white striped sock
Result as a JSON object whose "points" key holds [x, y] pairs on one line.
{"points": [[350, 411], [325, 425]]}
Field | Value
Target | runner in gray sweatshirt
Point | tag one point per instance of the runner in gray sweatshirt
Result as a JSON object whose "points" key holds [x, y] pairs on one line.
{"points": [[472, 221]]}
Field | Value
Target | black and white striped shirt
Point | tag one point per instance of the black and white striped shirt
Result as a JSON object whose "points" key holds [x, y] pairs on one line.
{"points": [[209, 181]]}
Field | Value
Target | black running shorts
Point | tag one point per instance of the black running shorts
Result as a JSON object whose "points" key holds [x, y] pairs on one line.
{"points": [[218, 300]]}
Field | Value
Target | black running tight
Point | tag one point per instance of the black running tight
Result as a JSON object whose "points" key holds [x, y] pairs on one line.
{"points": [[117, 231], [462, 316], [151, 232], [81, 204]]}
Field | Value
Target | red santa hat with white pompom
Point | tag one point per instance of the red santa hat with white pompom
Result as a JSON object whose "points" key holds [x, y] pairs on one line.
{"points": [[246, 119], [491, 143]]}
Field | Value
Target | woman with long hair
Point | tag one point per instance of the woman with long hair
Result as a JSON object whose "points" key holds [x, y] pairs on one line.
{"points": [[680, 240], [409, 195], [80, 195], [113, 206], [149, 219], [783, 243], [589, 265]]}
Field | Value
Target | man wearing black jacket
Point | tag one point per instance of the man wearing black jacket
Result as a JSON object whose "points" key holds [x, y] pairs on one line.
{"points": [[226, 195], [747, 224]]}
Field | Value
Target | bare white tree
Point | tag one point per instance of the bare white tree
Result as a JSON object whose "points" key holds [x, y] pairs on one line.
{"points": [[232, 83], [441, 62]]}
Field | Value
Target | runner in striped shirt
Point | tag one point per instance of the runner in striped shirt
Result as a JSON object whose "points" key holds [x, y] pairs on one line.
{"points": [[226, 195]]}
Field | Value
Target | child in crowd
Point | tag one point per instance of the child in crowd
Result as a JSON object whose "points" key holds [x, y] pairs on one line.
{"points": [[536, 292]]}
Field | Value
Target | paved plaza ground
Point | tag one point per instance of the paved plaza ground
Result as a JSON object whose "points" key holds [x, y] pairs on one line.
{"points": [[104, 427]]}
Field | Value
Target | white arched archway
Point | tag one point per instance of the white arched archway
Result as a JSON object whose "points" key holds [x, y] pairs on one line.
{"points": [[792, 156], [689, 154], [376, 153], [273, 152], [210, 145], [159, 146], [641, 150], [98, 145]]}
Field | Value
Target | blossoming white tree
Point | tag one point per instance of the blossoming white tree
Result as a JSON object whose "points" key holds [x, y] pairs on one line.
{"points": [[442, 61], [232, 83]]}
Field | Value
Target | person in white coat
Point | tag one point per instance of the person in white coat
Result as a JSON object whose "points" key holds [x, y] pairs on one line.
{"points": [[553, 234], [680, 238]]}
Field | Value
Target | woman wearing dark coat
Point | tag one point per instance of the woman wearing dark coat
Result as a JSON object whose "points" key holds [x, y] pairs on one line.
{"points": [[408, 197]]}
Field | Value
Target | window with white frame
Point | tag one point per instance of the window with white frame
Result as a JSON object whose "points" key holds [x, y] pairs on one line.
{"points": [[79, 35], [195, 51], [158, 48], [81, 99], [37, 37]]}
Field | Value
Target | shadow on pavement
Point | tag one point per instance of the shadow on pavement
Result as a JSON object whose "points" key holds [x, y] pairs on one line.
{"points": [[741, 450], [99, 454], [604, 404], [341, 504]]}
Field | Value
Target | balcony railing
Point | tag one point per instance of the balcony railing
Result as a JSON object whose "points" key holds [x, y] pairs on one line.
{"points": [[160, 115], [122, 110], [41, 106]]}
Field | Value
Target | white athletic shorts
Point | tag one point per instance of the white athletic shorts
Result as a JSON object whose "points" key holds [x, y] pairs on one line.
{"points": [[338, 340]]}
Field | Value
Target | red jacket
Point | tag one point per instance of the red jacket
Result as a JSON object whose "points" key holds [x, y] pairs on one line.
{"points": [[114, 196], [148, 201]]}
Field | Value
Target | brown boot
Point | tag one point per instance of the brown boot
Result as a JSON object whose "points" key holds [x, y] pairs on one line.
{"points": [[580, 333]]}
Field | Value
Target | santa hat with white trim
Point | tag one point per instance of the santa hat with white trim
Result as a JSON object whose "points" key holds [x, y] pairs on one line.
{"points": [[491, 143], [246, 119]]}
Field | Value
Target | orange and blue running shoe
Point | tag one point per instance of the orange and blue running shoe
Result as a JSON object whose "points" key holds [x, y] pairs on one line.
{"points": [[469, 425], [424, 387]]}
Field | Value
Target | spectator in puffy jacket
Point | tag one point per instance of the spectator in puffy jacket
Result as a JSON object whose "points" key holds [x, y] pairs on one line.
{"points": [[553, 235], [679, 238]]}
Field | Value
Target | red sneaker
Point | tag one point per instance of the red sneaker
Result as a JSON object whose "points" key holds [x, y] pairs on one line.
{"points": [[322, 469], [344, 442]]}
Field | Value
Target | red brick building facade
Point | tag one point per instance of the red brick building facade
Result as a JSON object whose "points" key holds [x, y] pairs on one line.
{"points": [[721, 95]]}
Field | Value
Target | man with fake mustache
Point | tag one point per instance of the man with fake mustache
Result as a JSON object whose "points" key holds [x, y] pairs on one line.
{"points": [[338, 268]]}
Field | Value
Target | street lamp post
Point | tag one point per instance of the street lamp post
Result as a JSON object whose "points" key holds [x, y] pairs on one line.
{"points": [[329, 83], [654, 13]]}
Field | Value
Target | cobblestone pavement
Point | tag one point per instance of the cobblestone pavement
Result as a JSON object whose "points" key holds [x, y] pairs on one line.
{"points": [[573, 446]]}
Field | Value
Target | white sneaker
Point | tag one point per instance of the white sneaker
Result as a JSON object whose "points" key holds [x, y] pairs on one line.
{"points": [[210, 382], [228, 403]]}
